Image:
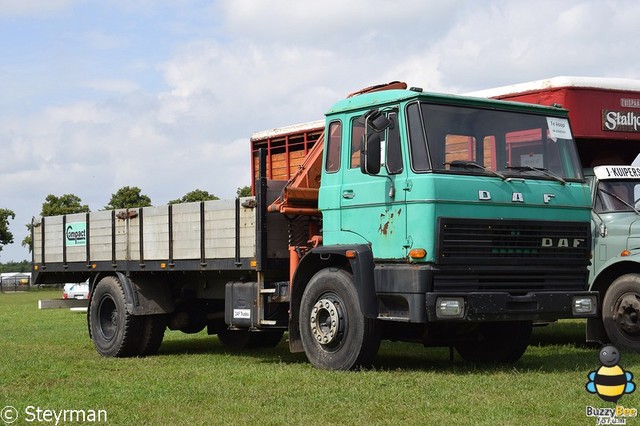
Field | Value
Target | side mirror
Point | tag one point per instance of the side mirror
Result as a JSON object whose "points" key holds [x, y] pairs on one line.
{"points": [[370, 154], [374, 124], [376, 120]]}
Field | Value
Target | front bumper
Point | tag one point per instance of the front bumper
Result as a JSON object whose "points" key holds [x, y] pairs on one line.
{"points": [[501, 306]]}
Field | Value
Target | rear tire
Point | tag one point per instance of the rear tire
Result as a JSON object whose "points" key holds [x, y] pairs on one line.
{"points": [[621, 312], [499, 342], [114, 331], [335, 334]]}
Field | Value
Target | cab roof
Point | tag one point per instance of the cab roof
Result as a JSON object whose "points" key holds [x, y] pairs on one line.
{"points": [[391, 97]]}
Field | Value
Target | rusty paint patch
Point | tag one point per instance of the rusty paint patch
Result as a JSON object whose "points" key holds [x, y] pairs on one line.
{"points": [[387, 219], [383, 229]]}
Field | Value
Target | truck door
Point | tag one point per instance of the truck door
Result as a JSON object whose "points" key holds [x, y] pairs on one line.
{"points": [[373, 207]]}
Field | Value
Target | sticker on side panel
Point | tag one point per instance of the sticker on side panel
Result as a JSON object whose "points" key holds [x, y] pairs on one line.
{"points": [[558, 128], [76, 234], [242, 313]]}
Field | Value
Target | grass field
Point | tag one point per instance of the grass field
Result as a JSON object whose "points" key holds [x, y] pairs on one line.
{"points": [[48, 361]]}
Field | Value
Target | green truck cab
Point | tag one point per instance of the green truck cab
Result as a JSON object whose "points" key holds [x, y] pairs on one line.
{"points": [[476, 213]]}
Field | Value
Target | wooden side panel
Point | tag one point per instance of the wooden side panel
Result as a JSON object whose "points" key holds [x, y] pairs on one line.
{"points": [[53, 239], [155, 232], [220, 242], [100, 236], [186, 231]]}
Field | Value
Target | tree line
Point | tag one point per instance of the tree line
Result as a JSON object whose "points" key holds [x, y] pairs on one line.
{"points": [[125, 197]]}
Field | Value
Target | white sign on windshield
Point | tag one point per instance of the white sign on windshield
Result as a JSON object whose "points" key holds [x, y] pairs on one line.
{"points": [[558, 128]]}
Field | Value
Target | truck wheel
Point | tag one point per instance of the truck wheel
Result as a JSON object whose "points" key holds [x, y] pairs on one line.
{"points": [[245, 339], [500, 342], [114, 331], [153, 327], [335, 334], [621, 312]]}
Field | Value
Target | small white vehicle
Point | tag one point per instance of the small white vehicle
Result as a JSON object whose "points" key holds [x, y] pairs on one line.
{"points": [[75, 291]]}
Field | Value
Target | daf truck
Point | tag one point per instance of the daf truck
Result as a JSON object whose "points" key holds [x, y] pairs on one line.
{"points": [[410, 216]]}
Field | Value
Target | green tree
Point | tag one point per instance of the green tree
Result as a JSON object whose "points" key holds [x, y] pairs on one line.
{"points": [[23, 266], [65, 204], [54, 206], [6, 237], [245, 191], [195, 195], [128, 197]]}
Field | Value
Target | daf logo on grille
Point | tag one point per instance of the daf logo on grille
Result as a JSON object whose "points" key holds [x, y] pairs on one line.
{"points": [[562, 242], [516, 197]]}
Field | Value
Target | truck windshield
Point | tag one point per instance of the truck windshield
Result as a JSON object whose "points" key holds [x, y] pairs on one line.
{"points": [[617, 196], [459, 139]]}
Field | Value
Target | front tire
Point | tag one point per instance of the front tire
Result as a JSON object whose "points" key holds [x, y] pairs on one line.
{"points": [[335, 334], [114, 331], [621, 312]]}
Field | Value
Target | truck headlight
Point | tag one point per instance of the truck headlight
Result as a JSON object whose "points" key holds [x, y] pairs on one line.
{"points": [[450, 307], [583, 305]]}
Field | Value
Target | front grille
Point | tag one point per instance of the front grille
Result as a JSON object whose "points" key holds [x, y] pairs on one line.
{"points": [[520, 281], [512, 242]]}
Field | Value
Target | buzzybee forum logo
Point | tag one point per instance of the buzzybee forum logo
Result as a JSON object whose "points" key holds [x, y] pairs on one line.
{"points": [[610, 382]]}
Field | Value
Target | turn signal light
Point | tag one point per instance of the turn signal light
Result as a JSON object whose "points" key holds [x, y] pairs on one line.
{"points": [[418, 253], [625, 253]]}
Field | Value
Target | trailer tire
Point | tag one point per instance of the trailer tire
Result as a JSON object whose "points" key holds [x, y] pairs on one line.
{"points": [[153, 327], [114, 331], [334, 332], [499, 342], [621, 312]]}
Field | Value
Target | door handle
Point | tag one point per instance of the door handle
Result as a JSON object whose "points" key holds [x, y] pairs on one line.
{"points": [[348, 194]]}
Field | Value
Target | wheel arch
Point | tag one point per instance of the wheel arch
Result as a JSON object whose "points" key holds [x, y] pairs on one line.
{"points": [[608, 275], [143, 296], [595, 331], [360, 263]]}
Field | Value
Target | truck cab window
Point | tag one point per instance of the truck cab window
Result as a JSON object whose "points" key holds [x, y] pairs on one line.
{"points": [[334, 145], [391, 146], [394, 148], [615, 196], [474, 140], [357, 133]]}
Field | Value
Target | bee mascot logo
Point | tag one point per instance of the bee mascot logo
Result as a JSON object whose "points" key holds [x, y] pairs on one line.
{"points": [[610, 381]]}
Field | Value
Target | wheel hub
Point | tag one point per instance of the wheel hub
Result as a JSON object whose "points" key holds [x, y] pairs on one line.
{"points": [[325, 321], [628, 313]]}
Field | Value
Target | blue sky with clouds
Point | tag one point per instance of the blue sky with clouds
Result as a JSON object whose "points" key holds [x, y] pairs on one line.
{"points": [[165, 94]]}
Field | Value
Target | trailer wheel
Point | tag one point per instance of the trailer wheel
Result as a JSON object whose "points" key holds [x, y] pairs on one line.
{"points": [[499, 342], [335, 334], [153, 327], [245, 339], [114, 331], [621, 312]]}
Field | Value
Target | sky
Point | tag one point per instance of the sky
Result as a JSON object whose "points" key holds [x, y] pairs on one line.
{"points": [[165, 94]]}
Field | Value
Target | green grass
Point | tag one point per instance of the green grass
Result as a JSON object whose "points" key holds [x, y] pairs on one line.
{"points": [[48, 361]]}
